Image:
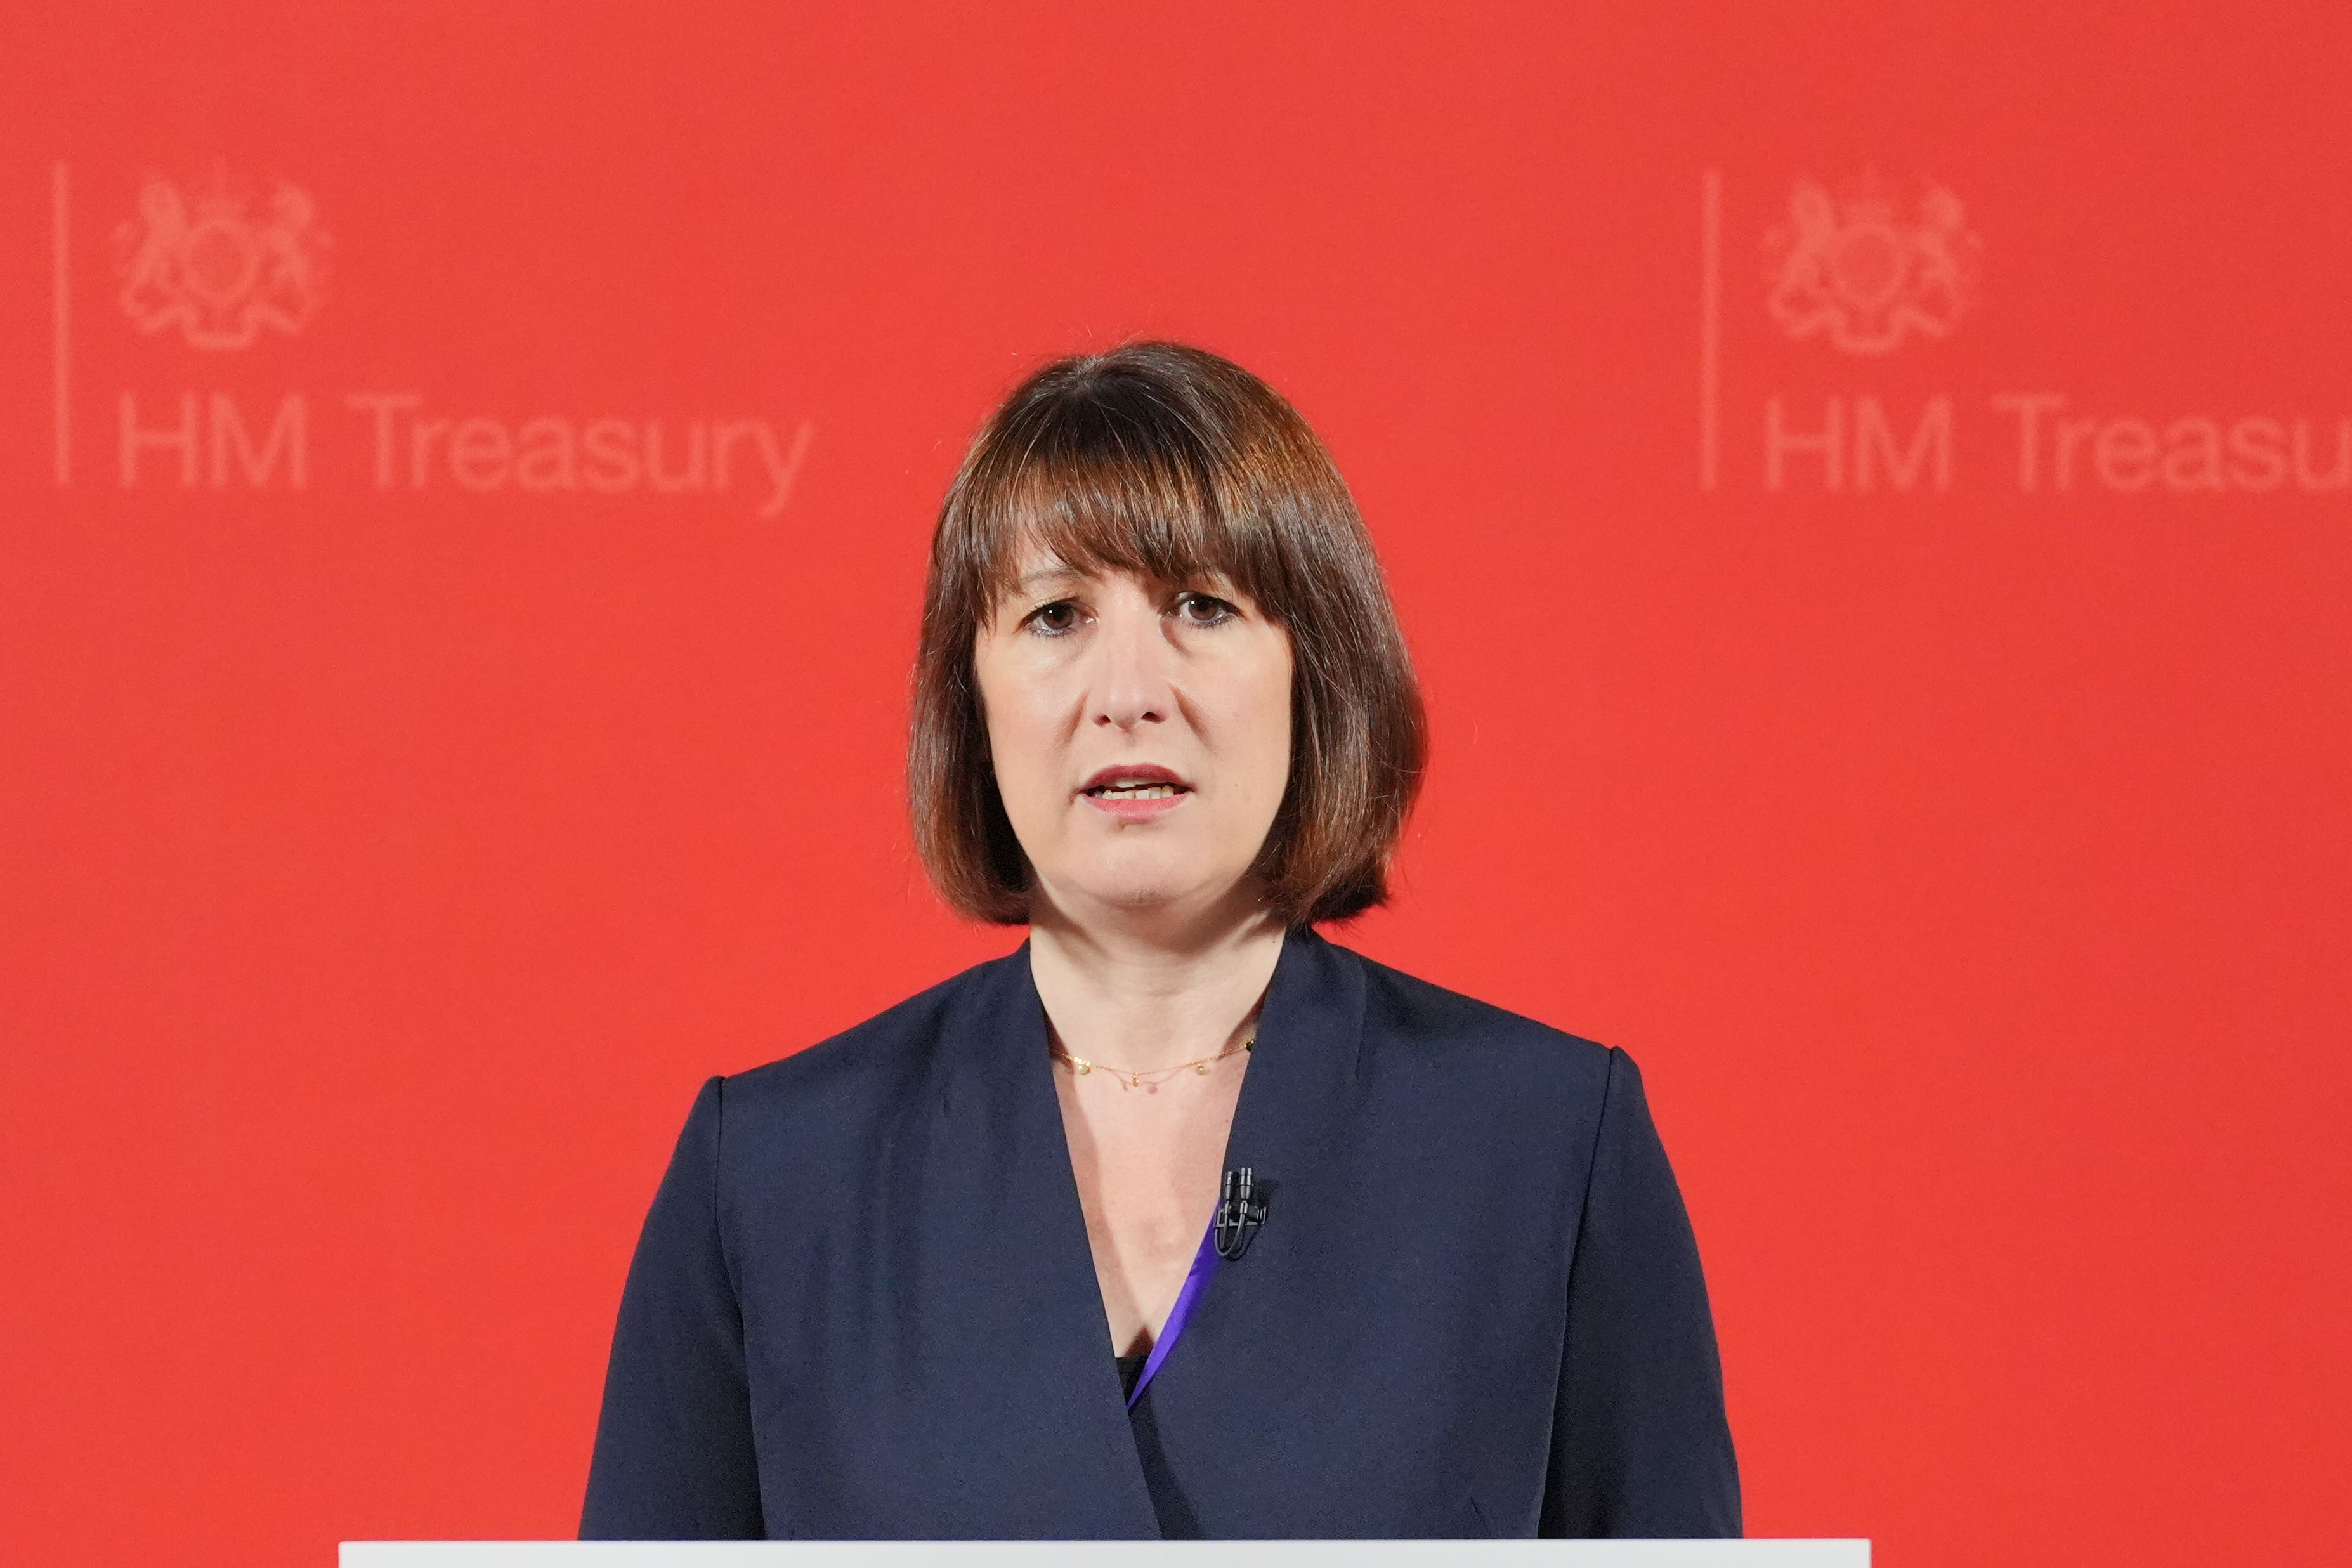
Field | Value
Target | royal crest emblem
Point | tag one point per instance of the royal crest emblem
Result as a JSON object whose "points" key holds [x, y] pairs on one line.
{"points": [[219, 261], [1852, 266]]}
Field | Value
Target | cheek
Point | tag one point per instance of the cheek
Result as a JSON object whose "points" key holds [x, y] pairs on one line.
{"points": [[1021, 744], [1267, 717]]}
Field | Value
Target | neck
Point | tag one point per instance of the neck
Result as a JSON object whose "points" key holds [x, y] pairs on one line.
{"points": [[1152, 997]]}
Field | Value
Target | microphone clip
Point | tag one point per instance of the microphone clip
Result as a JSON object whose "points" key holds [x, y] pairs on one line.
{"points": [[1241, 1209]]}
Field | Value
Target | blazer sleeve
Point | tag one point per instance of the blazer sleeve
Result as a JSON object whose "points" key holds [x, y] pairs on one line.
{"points": [[1640, 1445], [674, 1459]]}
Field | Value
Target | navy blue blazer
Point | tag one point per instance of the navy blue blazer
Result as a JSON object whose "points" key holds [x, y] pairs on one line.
{"points": [[864, 1304]]}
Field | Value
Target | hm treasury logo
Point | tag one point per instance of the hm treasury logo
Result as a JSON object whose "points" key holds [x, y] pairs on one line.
{"points": [[1866, 273], [216, 268], [1869, 273], [219, 262]]}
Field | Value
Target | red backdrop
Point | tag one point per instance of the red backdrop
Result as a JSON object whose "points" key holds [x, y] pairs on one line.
{"points": [[1866, 486]]}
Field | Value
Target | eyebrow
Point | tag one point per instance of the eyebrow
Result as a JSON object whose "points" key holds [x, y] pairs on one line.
{"points": [[1031, 582]]}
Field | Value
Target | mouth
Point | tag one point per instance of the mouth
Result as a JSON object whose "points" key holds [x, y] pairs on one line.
{"points": [[1135, 786], [1134, 780], [1134, 790]]}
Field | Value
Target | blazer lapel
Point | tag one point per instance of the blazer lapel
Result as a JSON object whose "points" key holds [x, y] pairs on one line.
{"points": [[1226, 1413], [1061, 1453], [1295, 1097]]}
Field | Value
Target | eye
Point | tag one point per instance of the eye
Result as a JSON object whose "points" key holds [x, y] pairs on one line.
{"points": [[1053, 620], [1214, 612]]}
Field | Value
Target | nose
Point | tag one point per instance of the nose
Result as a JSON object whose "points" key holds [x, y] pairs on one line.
{"points": [[1132, 680]]}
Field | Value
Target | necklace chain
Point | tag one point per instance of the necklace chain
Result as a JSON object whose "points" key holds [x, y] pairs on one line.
{"points": [[1134, 1077]]}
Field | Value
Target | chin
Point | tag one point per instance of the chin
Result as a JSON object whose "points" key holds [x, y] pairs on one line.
{"points": [[1142, 895], [1139, 887]]}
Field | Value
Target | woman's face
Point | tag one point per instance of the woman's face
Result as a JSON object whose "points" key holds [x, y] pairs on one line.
{"points": [[1179, 691]]}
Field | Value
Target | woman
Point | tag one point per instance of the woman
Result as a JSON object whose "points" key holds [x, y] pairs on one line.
{"points": [[1164, 718]]}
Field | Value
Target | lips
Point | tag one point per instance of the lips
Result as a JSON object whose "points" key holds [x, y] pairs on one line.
{"points": [[1134, 780]]}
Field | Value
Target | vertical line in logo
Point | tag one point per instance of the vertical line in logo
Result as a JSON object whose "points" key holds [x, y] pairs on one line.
{"points": [[61, 323], [1710, 323]]}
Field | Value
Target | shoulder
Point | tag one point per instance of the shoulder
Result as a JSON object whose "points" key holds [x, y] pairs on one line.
{"points": [[1409, 1022], [839, 1084]]}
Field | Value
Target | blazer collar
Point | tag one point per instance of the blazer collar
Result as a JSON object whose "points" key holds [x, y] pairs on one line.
{"points": [[999, 1104], [1309, 1033]]}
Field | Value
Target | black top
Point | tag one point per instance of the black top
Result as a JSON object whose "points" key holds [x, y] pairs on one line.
{"points": [[1130, 1367]]}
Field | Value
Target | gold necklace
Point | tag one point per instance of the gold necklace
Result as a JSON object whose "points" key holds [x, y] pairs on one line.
{"points": [[1131, 1077]]}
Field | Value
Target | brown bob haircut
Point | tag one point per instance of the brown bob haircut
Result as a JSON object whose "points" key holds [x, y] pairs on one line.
{"points": [[1175, 464]]}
